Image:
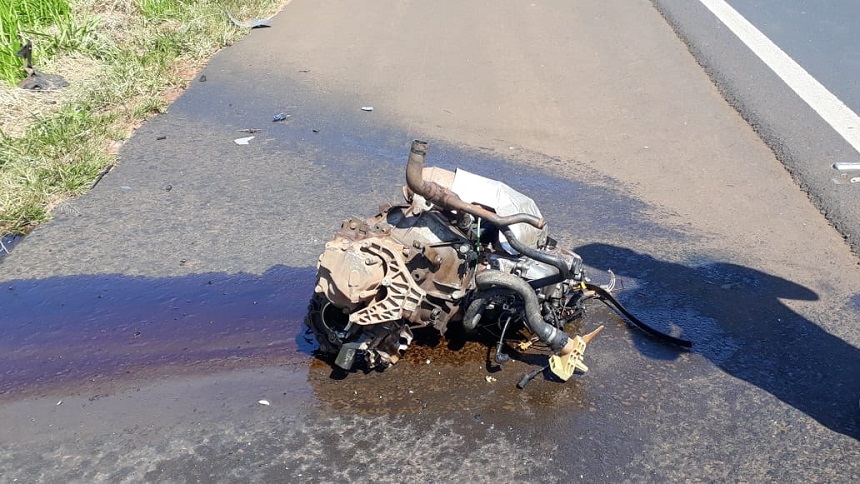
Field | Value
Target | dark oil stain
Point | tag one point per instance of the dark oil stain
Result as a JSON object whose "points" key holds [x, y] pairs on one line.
{"points": [[571, 204], [855, 301], [360, 162], [66, 330]]}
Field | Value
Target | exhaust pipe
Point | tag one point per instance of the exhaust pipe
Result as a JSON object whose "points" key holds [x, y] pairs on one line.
{"points": [[439, 195]]}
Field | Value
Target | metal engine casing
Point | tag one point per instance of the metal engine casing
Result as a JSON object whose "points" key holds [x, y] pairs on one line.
{"points": [[396, 266], [416, 265]]}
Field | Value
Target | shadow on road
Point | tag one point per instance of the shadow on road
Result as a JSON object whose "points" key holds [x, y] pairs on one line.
{"points": [[735, 318], [62, 331]]}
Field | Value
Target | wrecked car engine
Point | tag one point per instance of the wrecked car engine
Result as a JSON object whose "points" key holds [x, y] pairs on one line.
{"points": [[462, 249]]}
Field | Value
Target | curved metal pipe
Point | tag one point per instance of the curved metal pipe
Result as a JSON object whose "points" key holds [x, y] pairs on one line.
{"points": [[443, 197], [556, 339]]}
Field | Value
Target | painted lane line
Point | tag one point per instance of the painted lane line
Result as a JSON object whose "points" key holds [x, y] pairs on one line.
{"points": [[839, 116]]}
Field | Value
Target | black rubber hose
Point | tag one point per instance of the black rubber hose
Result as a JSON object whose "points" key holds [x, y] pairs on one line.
{"points": [[555, 338], [475, 308], [546, 281], [529, 377], [479, 302], [538, 255]]}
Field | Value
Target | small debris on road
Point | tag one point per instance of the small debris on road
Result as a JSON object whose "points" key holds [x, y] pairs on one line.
{"points": [[125, 187], [490, 379], [167, 188], [845, 179], [254, 23], [160, 138], [367, 108], [846, 166], [59, 402], [202, 78], [101, 175], [280, 117], [264, 402], [243, 141]]}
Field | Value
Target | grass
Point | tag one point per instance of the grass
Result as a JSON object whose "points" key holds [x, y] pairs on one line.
{"points": [[21, 16], [120, 57]]}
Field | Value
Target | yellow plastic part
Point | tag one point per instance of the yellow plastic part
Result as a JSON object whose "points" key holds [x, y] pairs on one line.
{"points": [[564, 366]]}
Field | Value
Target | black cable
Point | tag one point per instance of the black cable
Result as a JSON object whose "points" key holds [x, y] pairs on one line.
{"points": [[502, 358], [609, 299]]}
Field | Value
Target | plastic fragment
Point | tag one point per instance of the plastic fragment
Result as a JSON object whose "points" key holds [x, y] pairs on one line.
{"points": [[243, 141], [490, 378], [367, 108], [264, 402]]}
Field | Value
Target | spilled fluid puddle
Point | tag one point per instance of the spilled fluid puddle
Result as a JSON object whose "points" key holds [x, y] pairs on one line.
{"points": [[63, 332]]}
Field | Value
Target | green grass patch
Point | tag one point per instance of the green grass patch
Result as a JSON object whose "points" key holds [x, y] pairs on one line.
{"points": [[17, 17], [135, 51]]}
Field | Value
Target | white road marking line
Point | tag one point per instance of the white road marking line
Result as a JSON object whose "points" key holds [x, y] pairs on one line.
{"points": [[839, 116]]}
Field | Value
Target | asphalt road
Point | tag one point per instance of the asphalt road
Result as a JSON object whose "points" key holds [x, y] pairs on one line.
{"points": [[143, 325], [819, 36]]}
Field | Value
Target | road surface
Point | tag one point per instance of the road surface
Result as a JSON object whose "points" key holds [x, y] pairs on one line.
{"points": [[145, 323], [800, 93]]}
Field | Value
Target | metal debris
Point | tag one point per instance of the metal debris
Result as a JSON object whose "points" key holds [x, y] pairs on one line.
{"points": [[254, 23], [36, 80], [473, 242]]}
